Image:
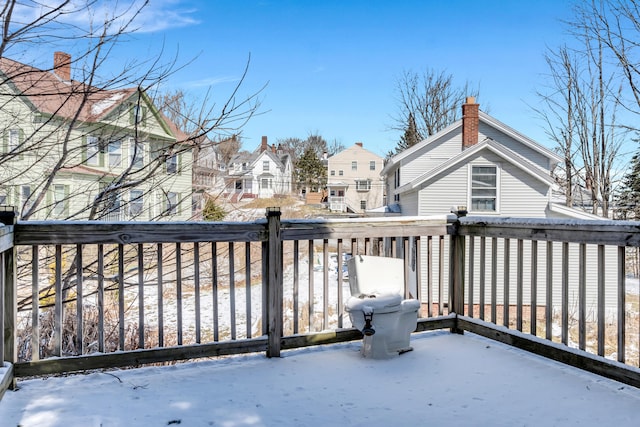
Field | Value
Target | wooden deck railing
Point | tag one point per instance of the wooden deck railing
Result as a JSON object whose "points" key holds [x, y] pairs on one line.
{"points": [[90, 295]]}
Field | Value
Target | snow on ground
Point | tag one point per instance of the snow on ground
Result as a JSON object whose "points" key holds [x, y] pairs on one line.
{"points": [[448, 379]]}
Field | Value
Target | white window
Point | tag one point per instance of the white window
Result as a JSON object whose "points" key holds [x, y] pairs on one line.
{"points": [[115, 153], [3, 197], [14, 139], [136, 153], [484, 189], [172, 203], [93, 150], [265, 166], [363, 185], [265, 184], [372, 165], [333, 173], [340, 172], [172, 164], [58, 199], [363, 204], [136, 203], [354, 166]]}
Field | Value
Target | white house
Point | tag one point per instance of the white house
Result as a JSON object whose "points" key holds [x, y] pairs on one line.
{"points": [[353, 180], [267, 172], [481, 164]]}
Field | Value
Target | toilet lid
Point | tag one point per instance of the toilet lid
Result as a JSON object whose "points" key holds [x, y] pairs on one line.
{"points": [[380, 303]]}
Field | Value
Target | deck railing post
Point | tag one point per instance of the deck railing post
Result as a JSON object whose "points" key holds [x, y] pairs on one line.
{"points": [[274, 283], [456, 268], [8, 299]]}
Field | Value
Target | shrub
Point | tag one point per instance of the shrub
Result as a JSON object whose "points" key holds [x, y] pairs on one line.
{"points": [[212, 211]]}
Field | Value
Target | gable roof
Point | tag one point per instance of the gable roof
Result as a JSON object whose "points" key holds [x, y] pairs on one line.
{"points": [[490, 145], [349, 150], [484, 118], [251, 158], [44, 91]]}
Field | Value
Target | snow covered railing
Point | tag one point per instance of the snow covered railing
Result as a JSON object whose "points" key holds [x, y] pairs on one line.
{"points": [[567, 281], [150, 292]]}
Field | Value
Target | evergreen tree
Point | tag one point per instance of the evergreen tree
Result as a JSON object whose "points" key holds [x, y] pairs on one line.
{"points": [[627, 199], [410, 137], [213, 211], [310, 171]]}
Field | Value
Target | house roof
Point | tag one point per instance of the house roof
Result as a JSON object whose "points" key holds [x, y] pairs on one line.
{"points": [[488, 144], [484, 118], [252, 158], [45, 92], [573, 212], [85, 170]]}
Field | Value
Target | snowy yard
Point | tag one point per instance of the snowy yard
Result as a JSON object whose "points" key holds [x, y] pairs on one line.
{"points": [[447, 380]]}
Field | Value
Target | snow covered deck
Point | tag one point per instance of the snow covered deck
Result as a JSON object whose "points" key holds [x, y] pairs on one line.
{"points": [[448, 379]]}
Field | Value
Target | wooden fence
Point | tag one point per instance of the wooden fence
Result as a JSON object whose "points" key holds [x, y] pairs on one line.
{"points": [[90, 295]]}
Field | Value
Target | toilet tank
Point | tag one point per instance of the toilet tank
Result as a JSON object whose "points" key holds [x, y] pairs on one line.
{"points": [[375, 275]]}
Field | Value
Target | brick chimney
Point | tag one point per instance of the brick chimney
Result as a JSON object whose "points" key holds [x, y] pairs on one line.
{"points": [[62, 65], [264, 146], [359, 144], [469, 122]]}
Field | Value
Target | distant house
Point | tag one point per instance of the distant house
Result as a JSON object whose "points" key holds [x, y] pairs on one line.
{"points": [[264, 173], [481, 165], [208, 171], [353, 180], [88, 140]]}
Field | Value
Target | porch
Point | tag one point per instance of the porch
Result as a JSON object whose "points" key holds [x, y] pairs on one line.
{"points": [[448, 379], [162, 292]]}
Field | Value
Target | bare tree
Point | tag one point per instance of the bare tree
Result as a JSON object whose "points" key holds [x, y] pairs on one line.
{"points": [[582, 104], [431, 98], [63, 130], [558, 113]]}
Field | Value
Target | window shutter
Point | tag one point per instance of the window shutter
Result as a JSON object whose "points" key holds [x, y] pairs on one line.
{"points": [[50, 201], [20, 142], [84, 149], [66, 201]]}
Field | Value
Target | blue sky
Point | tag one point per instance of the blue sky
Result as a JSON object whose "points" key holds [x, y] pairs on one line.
{"points": [[331, 66]]}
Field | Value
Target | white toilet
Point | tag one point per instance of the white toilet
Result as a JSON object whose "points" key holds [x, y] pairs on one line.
{"points": [[377, 308]]}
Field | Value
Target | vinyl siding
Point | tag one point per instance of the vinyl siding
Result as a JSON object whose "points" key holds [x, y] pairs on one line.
{"points": [[447, 190], [486, 131], [430, 156]]}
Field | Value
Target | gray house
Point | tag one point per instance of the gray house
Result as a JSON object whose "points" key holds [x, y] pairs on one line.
{"points": [[481, 164]]}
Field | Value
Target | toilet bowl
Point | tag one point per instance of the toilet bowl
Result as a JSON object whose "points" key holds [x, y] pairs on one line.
{"points": [[377, 307]]}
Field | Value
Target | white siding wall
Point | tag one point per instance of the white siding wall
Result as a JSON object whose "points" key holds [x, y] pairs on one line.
{"points": [[430, 156], [409, 204], [485, 131], [448, 190], [520, 194]]}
